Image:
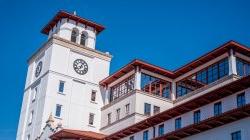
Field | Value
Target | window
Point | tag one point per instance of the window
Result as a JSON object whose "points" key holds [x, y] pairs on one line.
{"points": [[147, 109], [155, 85], [122, 88], [83, 38], [131, 138], [74, 35], [145, 135], [93, 95], [109, 118], [202, 78], [61, 86], [31, 117], [236, 135], [153, 132], [217, 108], [161, 130], [197, 116], [118, 111], [156, 109], [241, 101], [91, 118], [34, 91], [58, 111], [177, 123], [127, 108], [243, 67], [28, 137]]}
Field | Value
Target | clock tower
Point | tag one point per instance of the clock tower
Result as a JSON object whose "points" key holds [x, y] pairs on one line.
{"points": [[63, 78]]}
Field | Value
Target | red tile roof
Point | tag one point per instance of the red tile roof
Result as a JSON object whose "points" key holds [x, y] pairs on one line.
{"points": [[64, 14], [184, 69], [76, 134]]}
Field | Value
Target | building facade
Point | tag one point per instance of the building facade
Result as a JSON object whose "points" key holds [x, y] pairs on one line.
{"points": [[68, 80]]}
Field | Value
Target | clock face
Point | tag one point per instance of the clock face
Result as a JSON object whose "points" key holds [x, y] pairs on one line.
{"points": [[80, 66], [38, 68]]}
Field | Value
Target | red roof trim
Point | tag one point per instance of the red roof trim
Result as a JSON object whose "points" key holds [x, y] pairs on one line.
{"points": [[69, 133], [64, 14], [188, 67]]}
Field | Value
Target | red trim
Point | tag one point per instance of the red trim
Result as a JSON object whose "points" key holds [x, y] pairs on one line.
{"points": [[64, 14], [184, 69], [76, 134], [190, 105]]}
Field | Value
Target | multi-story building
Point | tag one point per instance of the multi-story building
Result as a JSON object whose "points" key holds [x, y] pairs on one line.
{"points": [[208, 98]]}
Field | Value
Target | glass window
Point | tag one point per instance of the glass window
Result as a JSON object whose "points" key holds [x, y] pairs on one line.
{"points": [[28, 137], [202, 78], [243, 67], [91, 118], [217, 108], [109, 118], [161, 130], [177, 123], [147, 109], [83, 38], [155, 85], [197, 116], [93, 95], [122, 88], [58, 110], [241, 101], [131, 138], [118, 112], [145, 135], [127, 108], [74, 35], [236, 135], [156, 109], [61, 86]]}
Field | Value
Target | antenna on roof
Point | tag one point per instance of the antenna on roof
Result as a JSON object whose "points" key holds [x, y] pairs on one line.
{"points": [[74, 13]]}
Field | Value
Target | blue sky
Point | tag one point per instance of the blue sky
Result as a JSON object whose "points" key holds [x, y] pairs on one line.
{"points": [[167, 33]]}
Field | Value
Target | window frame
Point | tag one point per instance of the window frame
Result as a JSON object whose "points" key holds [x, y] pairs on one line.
{"points": [[217, 108], [236, 135], [161, 130], [147, 109], [91, 119], [61, 86], [58, 106], [197, 117], [241, 99], [145, 135], [178, 124]]}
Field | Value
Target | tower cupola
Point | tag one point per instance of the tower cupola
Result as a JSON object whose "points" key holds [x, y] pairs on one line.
{"points": [[73, 28]]}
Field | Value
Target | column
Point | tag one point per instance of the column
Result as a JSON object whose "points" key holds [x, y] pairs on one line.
{"points": [[137, 78], [232, 62], [107, 96], [173, 91]]}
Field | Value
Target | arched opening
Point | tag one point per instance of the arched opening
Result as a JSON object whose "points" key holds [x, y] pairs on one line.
{"points": [[74, 35], [84, 37]]}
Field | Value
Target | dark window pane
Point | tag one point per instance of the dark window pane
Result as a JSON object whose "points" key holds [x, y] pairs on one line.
{"points": [[147, 109]]}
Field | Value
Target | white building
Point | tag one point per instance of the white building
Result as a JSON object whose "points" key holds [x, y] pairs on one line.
{"points": [[208, 98]]}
